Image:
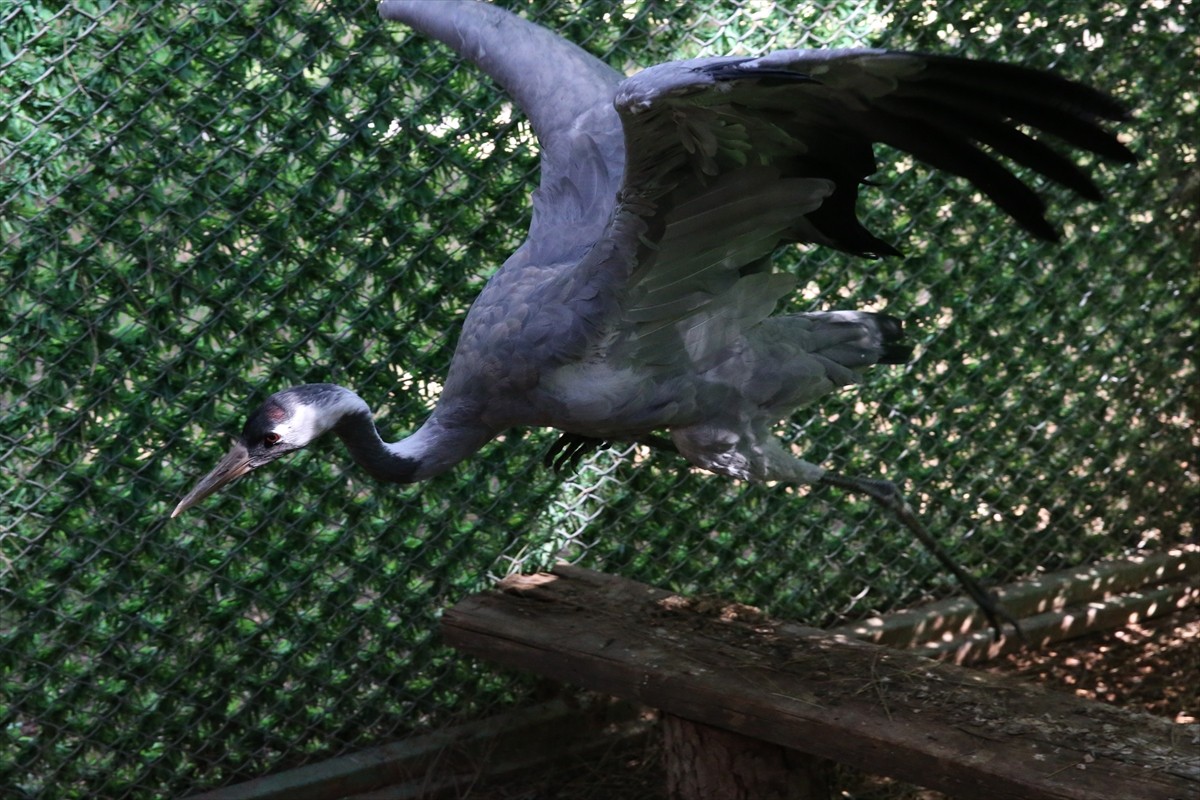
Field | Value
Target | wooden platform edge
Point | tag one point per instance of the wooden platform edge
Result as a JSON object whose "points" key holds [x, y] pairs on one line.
{"points": [[441, 763], [884, 711]]}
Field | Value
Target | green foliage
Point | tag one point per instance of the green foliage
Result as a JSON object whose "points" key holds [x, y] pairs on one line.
{"points": [[203, 203]]}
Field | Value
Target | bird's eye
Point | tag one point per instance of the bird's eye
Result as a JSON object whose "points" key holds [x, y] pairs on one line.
{"points": [[271, 438]]}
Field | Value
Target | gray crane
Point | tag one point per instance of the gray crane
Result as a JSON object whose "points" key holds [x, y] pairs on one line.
{"points": [[641, 303]]}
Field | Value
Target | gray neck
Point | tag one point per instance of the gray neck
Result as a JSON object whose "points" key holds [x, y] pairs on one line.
{"points": [[431, 450]]}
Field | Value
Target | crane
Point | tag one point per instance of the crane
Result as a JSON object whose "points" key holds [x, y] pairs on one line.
{"points": [[641, 305]]}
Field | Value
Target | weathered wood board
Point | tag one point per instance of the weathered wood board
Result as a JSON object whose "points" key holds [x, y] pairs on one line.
{"points": [[888, 712]]}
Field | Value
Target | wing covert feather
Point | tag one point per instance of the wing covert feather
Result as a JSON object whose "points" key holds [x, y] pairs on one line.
{"points": [[729, 158]]}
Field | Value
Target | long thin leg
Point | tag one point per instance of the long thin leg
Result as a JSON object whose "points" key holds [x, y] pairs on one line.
{"points": [[888, 495], [570, 448]]}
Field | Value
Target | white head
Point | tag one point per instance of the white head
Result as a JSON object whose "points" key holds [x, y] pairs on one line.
{"points": [[286, 422]]}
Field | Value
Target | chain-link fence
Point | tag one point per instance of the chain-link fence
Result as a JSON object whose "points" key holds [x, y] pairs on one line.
{"points": [[202, 203]]}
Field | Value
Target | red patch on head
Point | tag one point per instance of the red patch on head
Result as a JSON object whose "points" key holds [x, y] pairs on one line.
{"points": [[276, 413]]}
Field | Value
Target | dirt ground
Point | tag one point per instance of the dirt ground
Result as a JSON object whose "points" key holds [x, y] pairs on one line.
{"points": [[1152, 666]]}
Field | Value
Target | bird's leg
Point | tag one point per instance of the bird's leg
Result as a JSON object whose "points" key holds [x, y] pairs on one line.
{"points": [[569, 449], [888, 495], [656, 443], [572, 447]]}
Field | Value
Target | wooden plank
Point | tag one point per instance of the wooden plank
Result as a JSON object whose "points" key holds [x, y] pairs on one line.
{"points": [[884, 711], [444, 763], [1067, 623], [1085, 598]]}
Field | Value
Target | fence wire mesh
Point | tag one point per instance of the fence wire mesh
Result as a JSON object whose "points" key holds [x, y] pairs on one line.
{"points": [[202, 203]]}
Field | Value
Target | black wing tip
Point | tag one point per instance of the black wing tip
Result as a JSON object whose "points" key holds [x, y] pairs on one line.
{"points": [[1055, 93], [883, 250], [1101, 104], [1042, 229], [1122, 153], [1011, 76]]}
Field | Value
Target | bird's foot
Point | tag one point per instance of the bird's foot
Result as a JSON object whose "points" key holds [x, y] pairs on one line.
{"points": [[570, 449], [888, 495]]}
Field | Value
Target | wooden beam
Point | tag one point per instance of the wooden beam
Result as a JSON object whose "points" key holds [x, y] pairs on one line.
{"points": [[1042, 630], [883, 711], [705, 763], [1051, 607], [447, 762]]}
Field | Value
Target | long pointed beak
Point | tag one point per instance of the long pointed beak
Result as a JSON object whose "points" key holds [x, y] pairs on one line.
{"points": [[234, 465]]}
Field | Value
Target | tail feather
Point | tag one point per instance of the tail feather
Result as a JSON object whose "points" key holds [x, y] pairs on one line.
{"points": [[893, 348], [858, 339]]}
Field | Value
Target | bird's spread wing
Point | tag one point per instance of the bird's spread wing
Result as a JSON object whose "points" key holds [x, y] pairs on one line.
{"points": [[727, 158], [713, 163], [566, 94]]}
